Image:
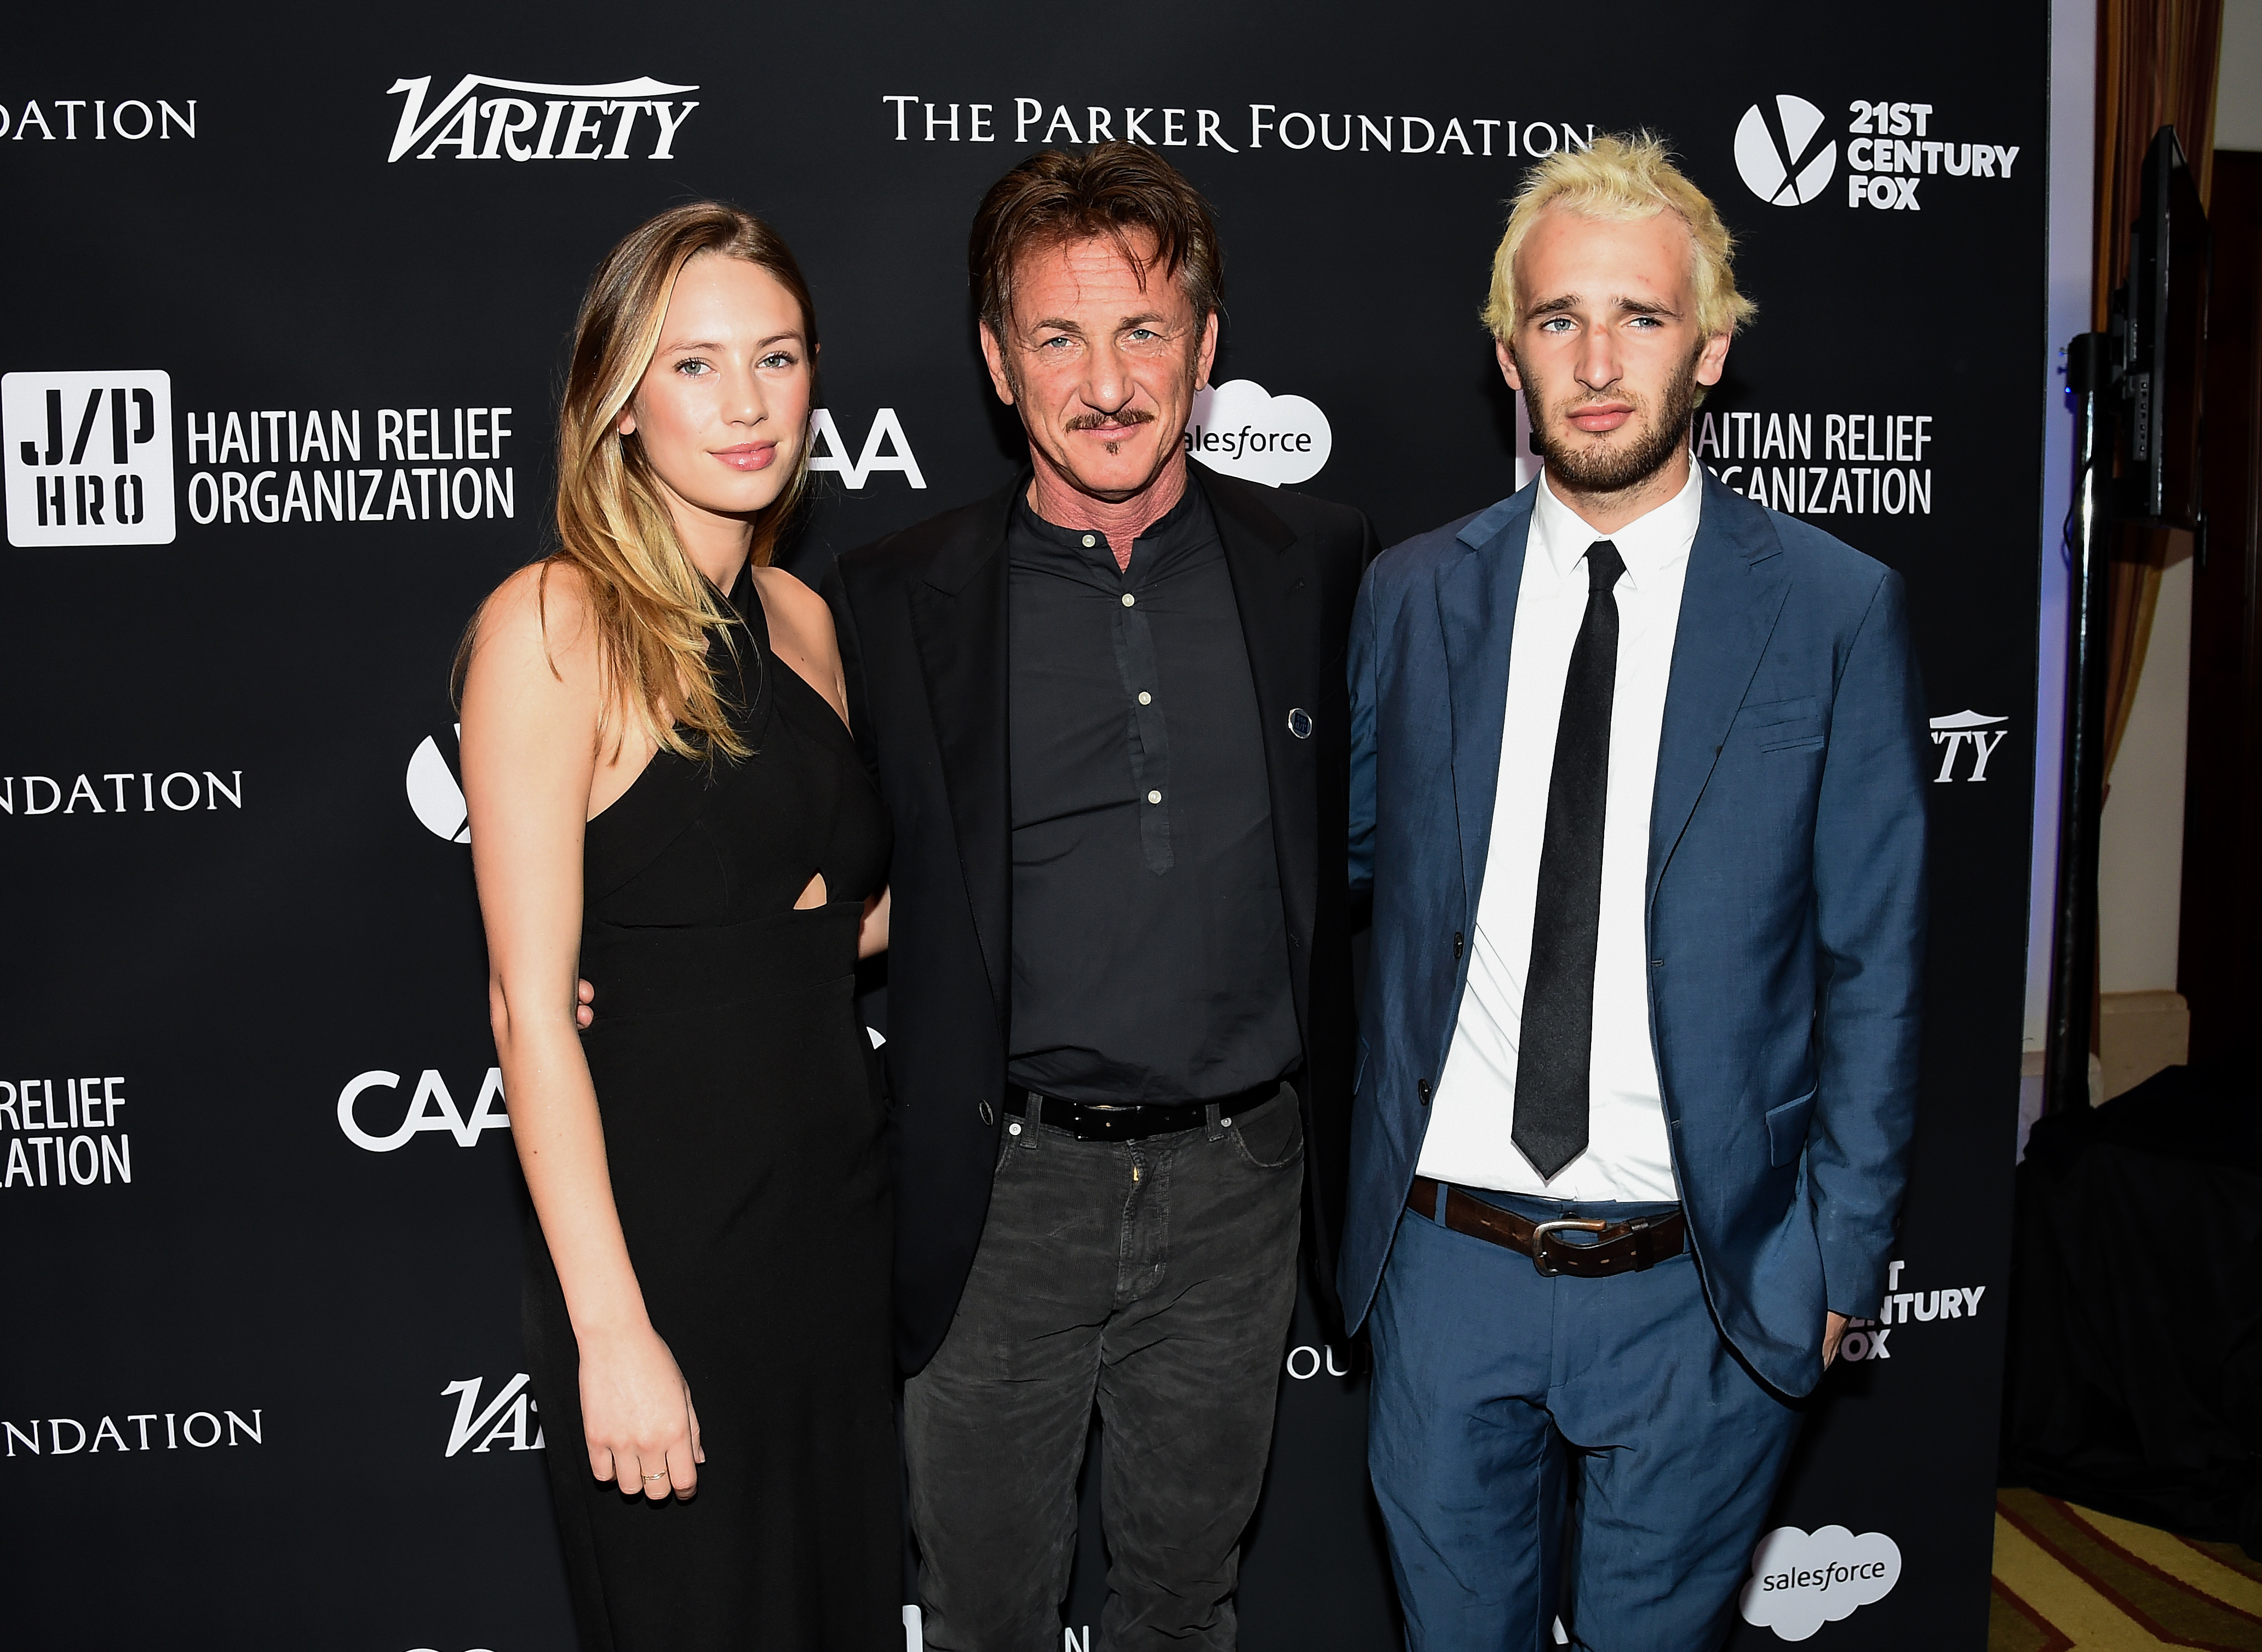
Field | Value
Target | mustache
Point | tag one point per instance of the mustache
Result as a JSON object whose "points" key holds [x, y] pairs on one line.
{"points": [[1127, 417]]}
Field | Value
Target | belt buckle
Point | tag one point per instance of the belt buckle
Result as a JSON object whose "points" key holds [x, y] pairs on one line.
{"points": [[1540, 1230]]}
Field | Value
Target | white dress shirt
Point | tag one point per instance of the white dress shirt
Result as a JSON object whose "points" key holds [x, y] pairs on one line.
{"points": [[1474, 1111]]}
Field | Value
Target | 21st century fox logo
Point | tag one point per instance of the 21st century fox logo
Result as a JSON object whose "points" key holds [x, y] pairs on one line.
{"points": [[1787, 156]]}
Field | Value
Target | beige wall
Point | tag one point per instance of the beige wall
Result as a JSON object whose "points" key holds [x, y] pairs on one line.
{"points": [[2141, 843]]}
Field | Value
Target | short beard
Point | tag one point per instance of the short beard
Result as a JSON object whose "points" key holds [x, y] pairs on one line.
{"points": [[1615, 470]]}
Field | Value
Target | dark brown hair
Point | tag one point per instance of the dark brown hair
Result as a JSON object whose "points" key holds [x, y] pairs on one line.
{"points": [[1110, 191]]}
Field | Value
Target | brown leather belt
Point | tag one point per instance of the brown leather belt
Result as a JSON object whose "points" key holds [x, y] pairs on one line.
{"points": [[1619, 1248]]}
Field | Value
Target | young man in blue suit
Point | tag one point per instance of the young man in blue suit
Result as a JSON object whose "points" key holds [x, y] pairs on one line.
{"points": [[1636, 782]]}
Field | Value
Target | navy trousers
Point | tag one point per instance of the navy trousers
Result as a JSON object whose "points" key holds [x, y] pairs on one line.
{"points": [[1551, 1447]]}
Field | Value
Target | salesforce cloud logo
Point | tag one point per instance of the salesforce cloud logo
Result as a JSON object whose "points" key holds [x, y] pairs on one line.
{"points": [[1778, 162], [1800, 1583], [1242, 429], [437, 796]]}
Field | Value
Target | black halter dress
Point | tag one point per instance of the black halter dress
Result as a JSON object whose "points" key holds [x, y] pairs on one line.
{"points": [[742, 1130]]}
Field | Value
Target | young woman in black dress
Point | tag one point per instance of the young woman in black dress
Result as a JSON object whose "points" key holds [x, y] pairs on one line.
{"points": [[664, 796]]}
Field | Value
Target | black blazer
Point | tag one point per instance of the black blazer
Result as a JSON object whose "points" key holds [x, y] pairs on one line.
{"points": [[923, 650]]}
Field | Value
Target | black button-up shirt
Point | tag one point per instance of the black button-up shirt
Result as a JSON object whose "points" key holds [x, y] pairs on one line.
{"points": [[1150, 958]]}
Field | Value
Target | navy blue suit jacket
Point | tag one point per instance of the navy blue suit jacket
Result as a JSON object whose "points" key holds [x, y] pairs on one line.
{"points": [[1785, 903]]}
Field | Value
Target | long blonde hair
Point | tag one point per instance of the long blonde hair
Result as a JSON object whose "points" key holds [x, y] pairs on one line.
{"points": [[652, 608]]}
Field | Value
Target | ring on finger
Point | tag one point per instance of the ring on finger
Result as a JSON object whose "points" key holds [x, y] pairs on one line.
{"points": [[655, 1476]]}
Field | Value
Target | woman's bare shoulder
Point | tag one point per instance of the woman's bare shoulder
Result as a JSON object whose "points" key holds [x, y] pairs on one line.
{"points": [[541, 612], [788, 599]]}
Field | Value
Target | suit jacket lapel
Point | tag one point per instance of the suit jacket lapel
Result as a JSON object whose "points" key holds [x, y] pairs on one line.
{"points": [[1476, 613], [1734, 593], [958, 616], [1282, 640]]}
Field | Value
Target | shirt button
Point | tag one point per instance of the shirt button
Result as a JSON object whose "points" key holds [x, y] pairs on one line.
{"points": [[1090, 540], [1146, 698], [1154, 797], [1129, 601]]}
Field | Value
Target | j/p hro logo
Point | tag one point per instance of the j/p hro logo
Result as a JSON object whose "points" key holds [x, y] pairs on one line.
{"points": [[622, 120], [90, 457], [1786, 158]]}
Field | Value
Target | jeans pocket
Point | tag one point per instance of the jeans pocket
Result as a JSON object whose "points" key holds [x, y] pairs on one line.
{"points": [[1270, 1136]]}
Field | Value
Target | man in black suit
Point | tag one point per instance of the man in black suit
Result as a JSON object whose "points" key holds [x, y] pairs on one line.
{"points": [[1107, 708]]}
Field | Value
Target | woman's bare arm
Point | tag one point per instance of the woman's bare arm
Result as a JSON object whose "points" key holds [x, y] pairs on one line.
{"points": [[531, 770]]}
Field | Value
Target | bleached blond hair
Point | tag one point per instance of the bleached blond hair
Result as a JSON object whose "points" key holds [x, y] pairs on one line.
{"points": [[1621, 180]]}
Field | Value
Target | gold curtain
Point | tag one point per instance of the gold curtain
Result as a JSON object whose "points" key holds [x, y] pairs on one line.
{"points": [[2155, 67]]}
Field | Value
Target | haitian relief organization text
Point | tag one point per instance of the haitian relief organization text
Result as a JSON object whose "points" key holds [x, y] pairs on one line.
{"points": [[279, 465]]}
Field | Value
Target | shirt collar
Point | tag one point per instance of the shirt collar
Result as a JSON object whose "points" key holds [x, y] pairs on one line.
{"points": [[1648, 545]]}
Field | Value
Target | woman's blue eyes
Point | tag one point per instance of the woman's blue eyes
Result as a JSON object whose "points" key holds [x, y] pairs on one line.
{"points": [[775, 360]]}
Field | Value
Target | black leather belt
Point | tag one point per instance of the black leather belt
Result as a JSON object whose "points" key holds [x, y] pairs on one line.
{"points": [[1619, 1248], [1098, 1121]]}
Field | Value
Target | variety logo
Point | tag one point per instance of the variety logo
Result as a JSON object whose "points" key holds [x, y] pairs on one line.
{"points": [[90, 457], [431, 1108], [201, 1430], [604, 123], [436, 794], [1799, 1582], [1042, 121], [828, 451], [1242, 429], [1959, 729], [129, 792], [130, 119], [508, 1417], [78, 1127], [1778, 160], [277, 465]]}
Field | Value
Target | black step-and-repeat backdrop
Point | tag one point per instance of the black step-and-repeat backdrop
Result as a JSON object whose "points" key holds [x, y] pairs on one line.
{"points": [[282, 317]]}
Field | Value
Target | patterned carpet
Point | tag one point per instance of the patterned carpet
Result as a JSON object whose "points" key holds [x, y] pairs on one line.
{"points": [[2070, 1580]]}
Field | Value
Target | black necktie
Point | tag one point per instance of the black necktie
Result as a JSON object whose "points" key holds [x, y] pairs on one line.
{"points": [[1554, 1056]]}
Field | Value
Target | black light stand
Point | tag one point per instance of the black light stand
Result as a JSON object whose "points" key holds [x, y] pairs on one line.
{"points": [[2089, 369]]}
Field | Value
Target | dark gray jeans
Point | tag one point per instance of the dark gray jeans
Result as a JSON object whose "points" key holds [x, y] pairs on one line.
{"points": [[1155, 1278]]}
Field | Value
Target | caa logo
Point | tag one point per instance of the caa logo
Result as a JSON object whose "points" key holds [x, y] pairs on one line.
{"points": [[90, 457], [456, 123], [828, 450], [436, 794], [1778, 163], [1242, 429], [1800, 1583], [431, 1108]]}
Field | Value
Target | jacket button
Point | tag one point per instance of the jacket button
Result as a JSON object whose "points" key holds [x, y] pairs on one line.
{"points": [[1421, 1089], [1456, 946], [981, 1111]]}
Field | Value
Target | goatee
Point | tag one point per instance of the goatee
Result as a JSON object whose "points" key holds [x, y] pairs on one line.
{"points": [[1615, 469]]}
